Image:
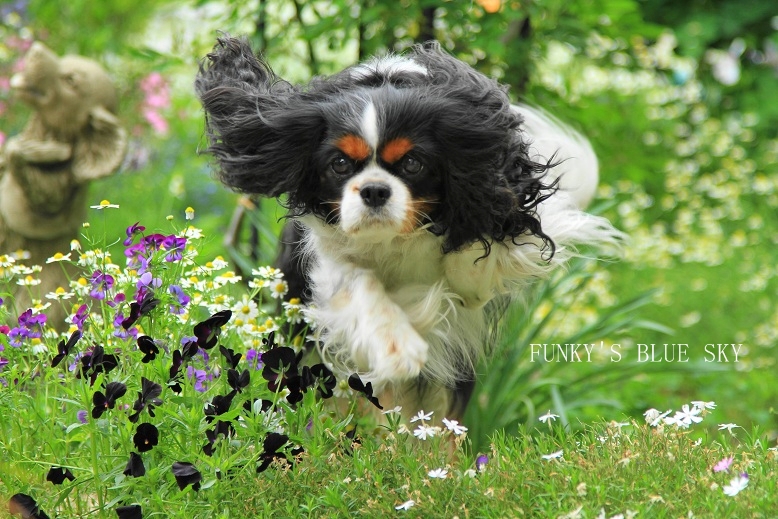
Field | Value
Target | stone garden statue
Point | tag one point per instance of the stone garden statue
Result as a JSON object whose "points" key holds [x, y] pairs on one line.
{"points": [[72, 137]]}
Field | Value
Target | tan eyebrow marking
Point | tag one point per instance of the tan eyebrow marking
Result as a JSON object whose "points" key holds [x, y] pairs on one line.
{"points": [[355, 148], [395, 149]]}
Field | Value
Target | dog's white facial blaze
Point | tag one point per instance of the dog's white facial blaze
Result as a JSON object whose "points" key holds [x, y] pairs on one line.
{"points": [[389, 66], [370, 125], [359, 218]]}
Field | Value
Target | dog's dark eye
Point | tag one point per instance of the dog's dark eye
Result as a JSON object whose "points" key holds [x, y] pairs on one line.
{"points": [[411, 166], [341, 165]]}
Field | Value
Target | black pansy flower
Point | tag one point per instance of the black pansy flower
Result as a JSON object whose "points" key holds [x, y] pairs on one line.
{"points": [[281, 364], [135, 467], [25, 506], [175, 366], [210, 435], [189, 347], [355, 383], [238, 381], [230, 356], [63, 348], [146, 437], [207, 332], [174, 382], [186, 474], [148, 347], [96, 362], [147, 398], [58, 475], [129, 512], [103, 402], [219, 405], [273, 442], [324, 380], [139, 309]]}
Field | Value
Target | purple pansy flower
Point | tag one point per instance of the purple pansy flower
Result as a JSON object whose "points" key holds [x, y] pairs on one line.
{"points": [[131, 231], [101, 283], [254, 358]]}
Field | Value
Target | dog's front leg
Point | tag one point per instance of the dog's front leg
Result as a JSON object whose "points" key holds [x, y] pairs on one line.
{"points": [[361, 328]]}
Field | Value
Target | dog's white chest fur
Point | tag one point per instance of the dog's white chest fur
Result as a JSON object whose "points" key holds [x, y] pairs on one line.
{"points": [[389, 310]]}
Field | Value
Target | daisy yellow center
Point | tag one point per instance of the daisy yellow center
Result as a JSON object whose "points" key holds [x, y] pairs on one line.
{"points": [[104, 202]]}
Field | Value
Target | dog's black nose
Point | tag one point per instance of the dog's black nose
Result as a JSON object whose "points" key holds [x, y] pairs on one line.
{"points": [[375, 194]]}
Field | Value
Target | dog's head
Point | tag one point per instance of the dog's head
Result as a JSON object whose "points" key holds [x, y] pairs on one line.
{"points": [[379, 150]]}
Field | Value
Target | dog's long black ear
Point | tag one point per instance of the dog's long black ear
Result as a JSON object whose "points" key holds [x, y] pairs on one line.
{"points": [[259, 129], [491, 185]]}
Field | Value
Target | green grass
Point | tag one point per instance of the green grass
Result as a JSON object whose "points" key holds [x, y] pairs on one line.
{"points": [[607, 468]]}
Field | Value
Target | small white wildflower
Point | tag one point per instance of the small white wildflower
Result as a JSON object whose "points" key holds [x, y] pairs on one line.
{"points": [[438, 473], [548, 416], [28, 281], [189, 213], [21, 254], [226, 278], [454, 426], [192, 233], [258, 283], [470, 473], [218, 263], [58, 257], [421, 415], [60, 293], [406, 505], [553, 455], [396, 410], [699, 404], [729, 427], [737, 484], [341, 389], [278, 288], [654, 417], [424, 431], [293, 310], [104, 204], [268, 273], [246, 309], [687, 416]]}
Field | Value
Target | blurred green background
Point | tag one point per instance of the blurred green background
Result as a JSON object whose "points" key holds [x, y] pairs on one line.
{"points": [[680, 100]]}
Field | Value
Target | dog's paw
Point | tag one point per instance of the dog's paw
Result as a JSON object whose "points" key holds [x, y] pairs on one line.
{"points": [[398, 353]]}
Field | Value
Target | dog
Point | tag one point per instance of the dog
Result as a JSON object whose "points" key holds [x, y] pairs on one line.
{"points": [[420, 201]]}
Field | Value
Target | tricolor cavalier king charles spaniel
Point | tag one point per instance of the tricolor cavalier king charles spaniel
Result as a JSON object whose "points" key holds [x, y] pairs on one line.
{"points": [[420, 201]]}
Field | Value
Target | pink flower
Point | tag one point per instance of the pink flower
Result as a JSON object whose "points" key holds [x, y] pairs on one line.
{"points": [[723, 465], [157, 122], [2, 138]]}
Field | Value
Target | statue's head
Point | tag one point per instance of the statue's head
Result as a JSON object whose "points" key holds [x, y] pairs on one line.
{"points": [[64, 90]]}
